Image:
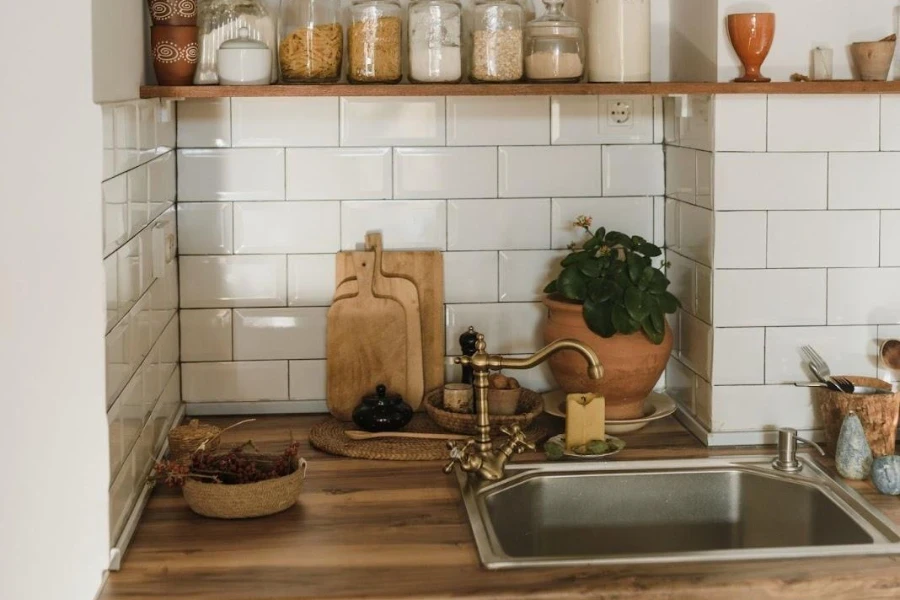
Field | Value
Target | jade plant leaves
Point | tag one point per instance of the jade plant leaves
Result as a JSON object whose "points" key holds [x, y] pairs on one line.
{"points": [[572, 284]]}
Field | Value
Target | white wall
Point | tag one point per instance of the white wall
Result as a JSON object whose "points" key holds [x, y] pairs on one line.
{"points": [[53, 512], [120, 41]]}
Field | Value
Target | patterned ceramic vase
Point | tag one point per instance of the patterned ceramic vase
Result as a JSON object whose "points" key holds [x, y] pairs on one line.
{"points": [[175, 53], [173, 12]]}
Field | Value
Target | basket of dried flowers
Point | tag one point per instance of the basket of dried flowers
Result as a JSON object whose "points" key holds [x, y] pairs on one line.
{"points": [[185, 439], [237, 484]]}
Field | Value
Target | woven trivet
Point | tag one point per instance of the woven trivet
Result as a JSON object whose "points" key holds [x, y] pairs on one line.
{"points": [[328, 436]]}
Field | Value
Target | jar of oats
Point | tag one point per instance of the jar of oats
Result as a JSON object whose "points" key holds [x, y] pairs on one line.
{"points": [[497, 41], [374, 41]]}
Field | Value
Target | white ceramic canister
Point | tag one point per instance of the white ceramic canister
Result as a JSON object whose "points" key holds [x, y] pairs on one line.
{"points": [[244, 61], [619, 41]]}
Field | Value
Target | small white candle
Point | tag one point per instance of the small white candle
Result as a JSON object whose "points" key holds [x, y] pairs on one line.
{"points": [[823, 64]]}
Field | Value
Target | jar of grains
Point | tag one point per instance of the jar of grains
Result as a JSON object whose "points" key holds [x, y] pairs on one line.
{"points": [[374, 41], [433, 39], [554, 46], [497, 41], [310, 41]]}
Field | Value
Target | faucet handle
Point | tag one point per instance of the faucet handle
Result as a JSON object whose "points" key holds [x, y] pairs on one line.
{"points": [[458, 453], [517, 440]]}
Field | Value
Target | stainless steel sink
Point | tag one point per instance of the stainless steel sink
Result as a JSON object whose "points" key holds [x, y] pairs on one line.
{"points": [[731, 508]]}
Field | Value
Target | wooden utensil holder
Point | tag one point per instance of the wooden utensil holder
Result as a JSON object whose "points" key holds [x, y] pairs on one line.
{"points": [[877, 412]]}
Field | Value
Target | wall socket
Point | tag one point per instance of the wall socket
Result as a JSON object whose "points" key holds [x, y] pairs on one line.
{"points": [[619, 113]]}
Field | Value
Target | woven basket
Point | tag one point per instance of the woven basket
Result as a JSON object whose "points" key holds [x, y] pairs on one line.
{"points": [[530, 406], [185, 439], [245, 500]]}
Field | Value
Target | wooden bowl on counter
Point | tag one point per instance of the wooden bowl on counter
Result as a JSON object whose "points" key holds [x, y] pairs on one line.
{"points": [[530, 405]]}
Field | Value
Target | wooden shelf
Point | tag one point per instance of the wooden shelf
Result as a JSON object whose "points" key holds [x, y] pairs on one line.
{"points": [[522, 89]]}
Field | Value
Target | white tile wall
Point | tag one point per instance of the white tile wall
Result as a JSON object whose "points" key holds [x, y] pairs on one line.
{"points": [[445, 172], [890, 238], [274, 122], [417, 121], [307, 379], [739, 356], [740, 240], [806, 239], [488, 225], [407, 224], [286, 227], [772, 181], [279, 333], [829, 123], [631, 215], [524, 274], [633, 171], [759, 407], [231, 174], [310, 279], [785, 364], [863, 180], [740, 122], [205, 123], [863, 296], [470, 277], [338, 174], [541, 171], [224, 281], [206, 335], [206, 227], [890, 122], [755, 297], [491, 121], [235, 381], [586, 120]]}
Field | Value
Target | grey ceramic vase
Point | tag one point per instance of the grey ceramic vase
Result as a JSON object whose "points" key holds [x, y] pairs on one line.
{"points": [[886, 475], [853, 457]]}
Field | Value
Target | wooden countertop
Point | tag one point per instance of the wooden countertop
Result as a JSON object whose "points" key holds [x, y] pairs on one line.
{"points": [[373, 529]]}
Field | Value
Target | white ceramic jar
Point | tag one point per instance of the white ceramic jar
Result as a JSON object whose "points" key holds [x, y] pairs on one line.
{"points": [[619, 41], [244, 61]]}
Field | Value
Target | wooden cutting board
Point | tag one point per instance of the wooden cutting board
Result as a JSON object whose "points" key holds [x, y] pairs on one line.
{"points": [[425, 268], [365, 345]]}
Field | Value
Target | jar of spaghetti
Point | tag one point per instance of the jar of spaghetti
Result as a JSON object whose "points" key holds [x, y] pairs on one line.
{"points": [[374, 41], [310, 41]]}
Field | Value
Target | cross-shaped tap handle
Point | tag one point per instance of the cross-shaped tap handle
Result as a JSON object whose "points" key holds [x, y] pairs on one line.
{"points": [[517, 439]]}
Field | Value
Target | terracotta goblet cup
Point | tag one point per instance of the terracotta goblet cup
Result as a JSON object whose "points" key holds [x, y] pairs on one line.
{"points": [[751, 35]]}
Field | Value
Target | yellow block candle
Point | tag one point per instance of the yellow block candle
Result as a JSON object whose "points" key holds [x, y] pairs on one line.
{"points": [[585, 419]]}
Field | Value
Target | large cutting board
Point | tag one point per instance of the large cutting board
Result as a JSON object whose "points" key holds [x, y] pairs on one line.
{"points": [[365, 345], [425, 268]]}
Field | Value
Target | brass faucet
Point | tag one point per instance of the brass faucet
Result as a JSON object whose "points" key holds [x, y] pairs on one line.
{"points": [[478, 455]]}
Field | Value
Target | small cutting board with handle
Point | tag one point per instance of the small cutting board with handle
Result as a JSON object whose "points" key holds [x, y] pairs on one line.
{"points": [[366, 344]]}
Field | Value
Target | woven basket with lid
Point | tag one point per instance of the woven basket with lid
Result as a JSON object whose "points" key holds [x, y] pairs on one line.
{"points": [[185, 439]]}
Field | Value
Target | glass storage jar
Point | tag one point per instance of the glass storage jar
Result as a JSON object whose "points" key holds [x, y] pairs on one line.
{"points": [[528, 9], [497, 41], [310, 41], [374, 41], [433, 41], [554, 46], [220, 21]]}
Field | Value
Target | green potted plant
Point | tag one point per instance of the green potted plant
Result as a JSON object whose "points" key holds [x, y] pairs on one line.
{"points": [[611, 297]]}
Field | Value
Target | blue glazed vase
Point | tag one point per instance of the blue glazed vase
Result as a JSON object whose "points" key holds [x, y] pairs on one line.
{"points": [[886, 475], [853, 457]]}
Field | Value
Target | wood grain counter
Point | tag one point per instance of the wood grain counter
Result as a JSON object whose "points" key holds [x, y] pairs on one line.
{"points": [[372, 529]]}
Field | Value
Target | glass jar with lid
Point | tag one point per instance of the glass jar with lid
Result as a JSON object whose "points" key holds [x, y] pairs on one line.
{"points": [[554, 46], [219, 21], [310, 41], [374, 41], [497, 41], [434, 41]]}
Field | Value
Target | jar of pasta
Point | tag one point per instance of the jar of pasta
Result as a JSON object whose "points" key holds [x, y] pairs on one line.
{"points": [[374, 41], [497, 48], [310, 41]]}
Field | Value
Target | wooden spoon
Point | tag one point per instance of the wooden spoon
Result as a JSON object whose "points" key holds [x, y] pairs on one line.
{"points": [[355, 434], [890, 354]]}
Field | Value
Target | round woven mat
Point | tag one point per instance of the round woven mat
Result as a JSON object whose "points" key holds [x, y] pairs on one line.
{"points": [[328, 436]]}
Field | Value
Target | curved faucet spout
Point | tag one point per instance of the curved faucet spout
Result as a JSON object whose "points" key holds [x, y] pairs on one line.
{"points": [[595, 369]]}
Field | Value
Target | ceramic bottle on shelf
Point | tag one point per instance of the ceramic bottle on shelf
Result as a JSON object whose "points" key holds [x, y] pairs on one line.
{"points": [[619, 41]]}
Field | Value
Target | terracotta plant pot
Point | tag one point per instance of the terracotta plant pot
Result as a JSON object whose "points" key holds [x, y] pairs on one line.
{"points": [[175, 53], [173, 12], [632, 364], [752, 35], [873, 59]]}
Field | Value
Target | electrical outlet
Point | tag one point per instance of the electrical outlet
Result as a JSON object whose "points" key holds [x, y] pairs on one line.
{"points": [[619, 113]]}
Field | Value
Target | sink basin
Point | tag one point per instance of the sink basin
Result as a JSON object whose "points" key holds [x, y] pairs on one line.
{"points": [[730, 508]]}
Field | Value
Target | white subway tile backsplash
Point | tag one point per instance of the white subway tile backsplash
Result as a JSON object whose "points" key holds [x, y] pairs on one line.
{"points": [[863, 180], [689, 231], [740, 240], [392, 121], [887, 332], [694, 130], [107, 115], [493, 120], [284, 122], [233, 174], [406, 224], [633, 170], [508, 328], [469, 172], [890, 122], [681, 173], [470, 277], [696, 344], [755, 407], [111, 276], [279, 333], [498, 224], [739, 355], [311, 279], [138, 183], [705, 179], [235, 381], [680, 383], [848, 351], [773, 181], [127, 150], [757, 297], [166, 126], [204, 123], [162, 183], [147, 128], [863, 296], [807, 239], [233, 281], [587, 120], [704, 293], [115, 212], [286, 227], [740, 122], [129, 275], [338, 173], [206, 335], [205, 227], [535, 171], [890, 238], [633, 216], [834, 123], [525, 273], [307, 379]]}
